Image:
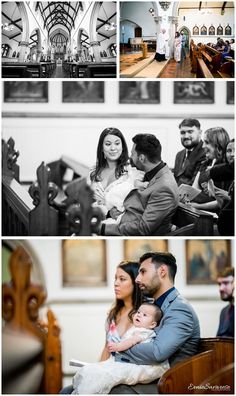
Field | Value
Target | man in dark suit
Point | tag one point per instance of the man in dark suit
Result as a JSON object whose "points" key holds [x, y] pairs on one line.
{"points": [[225, 281], [148, 211], [188, 161]]}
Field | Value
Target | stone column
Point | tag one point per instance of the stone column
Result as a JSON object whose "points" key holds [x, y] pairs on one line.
{"points": [[38, 55], [158, 20], [172, 29], [96, 50], [23, 47]]}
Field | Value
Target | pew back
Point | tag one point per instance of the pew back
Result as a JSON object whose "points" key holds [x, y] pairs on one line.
{"points": [[187, 376], [31, 347]]}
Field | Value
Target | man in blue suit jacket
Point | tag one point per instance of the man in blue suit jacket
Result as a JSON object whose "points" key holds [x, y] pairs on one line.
{"points": [[178, 334], [225, 281]]}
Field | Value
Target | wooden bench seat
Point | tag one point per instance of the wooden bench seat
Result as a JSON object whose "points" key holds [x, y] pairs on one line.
{"points": [[15, 71], [187, 376], [190, 221], [221, 382], [31, 69], [202, 69]]}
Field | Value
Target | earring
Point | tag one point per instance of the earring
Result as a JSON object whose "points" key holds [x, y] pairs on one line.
{"points": [[104, 156]]}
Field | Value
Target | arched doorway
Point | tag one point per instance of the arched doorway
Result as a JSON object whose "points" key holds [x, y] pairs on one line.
{"points": [[187, 34]]}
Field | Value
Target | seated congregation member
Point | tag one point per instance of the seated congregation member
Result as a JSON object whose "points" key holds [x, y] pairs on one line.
{"points": [[224, 172], [215, 143], [226, 51], [112, 178], [178, 334], [188, 160], [148, 211], [102, 376], [128, 300], [225, 280]]}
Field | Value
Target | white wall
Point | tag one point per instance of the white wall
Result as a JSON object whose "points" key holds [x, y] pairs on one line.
{"points": [[45, 131], [81, 312]]}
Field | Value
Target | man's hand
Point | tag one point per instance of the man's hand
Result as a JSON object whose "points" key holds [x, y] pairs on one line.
{"points": [[112, 347]]}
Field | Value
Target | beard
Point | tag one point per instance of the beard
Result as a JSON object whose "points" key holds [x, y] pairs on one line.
{"points": [[226, 297]]}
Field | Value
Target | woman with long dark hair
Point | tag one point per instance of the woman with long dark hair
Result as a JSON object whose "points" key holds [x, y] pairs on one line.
{"points": [[112, 178], [128, 299]]}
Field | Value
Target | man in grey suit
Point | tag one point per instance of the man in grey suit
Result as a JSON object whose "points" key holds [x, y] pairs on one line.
{"points": [[148, 211], [178, 334]]}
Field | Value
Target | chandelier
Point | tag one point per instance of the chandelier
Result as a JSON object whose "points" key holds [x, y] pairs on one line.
{"points": [[7, 26], [165, 4], [110, 26]]}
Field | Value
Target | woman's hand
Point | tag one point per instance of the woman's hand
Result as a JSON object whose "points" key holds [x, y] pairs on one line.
{"points": [[114, 213]]}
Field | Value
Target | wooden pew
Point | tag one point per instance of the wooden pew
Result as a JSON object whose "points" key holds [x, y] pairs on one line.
{"points": [[192, 222], [46, 210], [221, 382], [90, 69], [202, 69], [103, 70], [13, 71], [33, 69], [187, 376], [212, 57], [31, 348]]}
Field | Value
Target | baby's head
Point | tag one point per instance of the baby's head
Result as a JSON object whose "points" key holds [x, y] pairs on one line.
{"points": [[148, 316]]}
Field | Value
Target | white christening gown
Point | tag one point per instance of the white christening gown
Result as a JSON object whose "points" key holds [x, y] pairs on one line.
{"points": [[101, 377]]}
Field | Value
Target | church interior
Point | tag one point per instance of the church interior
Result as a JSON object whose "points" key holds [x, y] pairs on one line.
{"points": [[202, 24], [57, 116], [38, 346], [58, 39]]}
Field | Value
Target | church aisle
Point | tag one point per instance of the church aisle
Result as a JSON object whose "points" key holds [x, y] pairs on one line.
{"points": [[60, 73], [178, 70]]}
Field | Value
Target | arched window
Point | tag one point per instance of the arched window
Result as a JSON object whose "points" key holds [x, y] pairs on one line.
{"points": [[228, 30], [5, 50], [203, 30], [219, 30], [211, 30], [196, 30], [112, 49]]}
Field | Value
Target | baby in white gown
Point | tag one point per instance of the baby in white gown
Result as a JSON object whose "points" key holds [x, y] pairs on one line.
{"points": [[115, 193], [101, 377]]}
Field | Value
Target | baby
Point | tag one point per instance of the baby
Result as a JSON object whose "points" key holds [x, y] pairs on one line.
{"points": [[101, 377], [116, 196]]}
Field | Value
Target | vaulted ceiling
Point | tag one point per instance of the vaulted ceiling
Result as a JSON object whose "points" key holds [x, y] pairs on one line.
{"points": [[59, 19]]}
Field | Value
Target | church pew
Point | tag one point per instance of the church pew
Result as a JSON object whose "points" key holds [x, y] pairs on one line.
{"points": [[189, 221], [45, 210], [33, 69], [226, 70], [187, 376], [31, 352], [212, 57], [105, 70], [202, 69], [221, 382], [13, 71]]}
